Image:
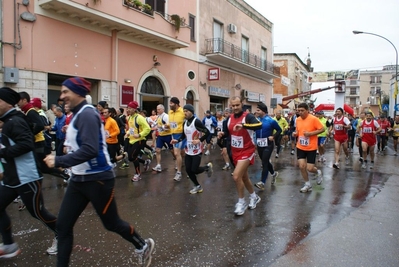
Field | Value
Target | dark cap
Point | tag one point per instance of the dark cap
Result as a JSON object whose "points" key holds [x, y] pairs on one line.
{"points": [[175, 100], [78, 85], [263, 107], [208, 112], [102, 103], [9, 95], [189, 107]]}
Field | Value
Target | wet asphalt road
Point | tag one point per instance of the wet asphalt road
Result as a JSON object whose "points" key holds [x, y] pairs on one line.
{"points": [[202, 230]]}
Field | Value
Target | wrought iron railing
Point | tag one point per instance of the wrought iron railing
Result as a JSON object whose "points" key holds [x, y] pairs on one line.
{"points": [[220, 46]]}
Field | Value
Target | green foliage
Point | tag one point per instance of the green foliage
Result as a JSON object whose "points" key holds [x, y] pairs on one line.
{"points": [[177, 21]]}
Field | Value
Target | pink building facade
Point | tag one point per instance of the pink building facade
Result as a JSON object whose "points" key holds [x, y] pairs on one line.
{"points": [[130, 52]]}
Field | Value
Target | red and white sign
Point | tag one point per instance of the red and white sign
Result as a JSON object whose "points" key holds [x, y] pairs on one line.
{"points": [[126, 94], [213, 74]]}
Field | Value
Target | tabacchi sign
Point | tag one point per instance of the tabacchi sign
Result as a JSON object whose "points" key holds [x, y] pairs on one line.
{"points": [[213, 74], [127, 93]]}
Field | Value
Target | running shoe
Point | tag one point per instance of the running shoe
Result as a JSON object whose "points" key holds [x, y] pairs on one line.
{"points": [[145, 255], [371, 165], [210, 169], [276, 156], [157, 168], [196, 189], [207, 153], [147, 164], [319, 177], [306, 188], [53, 250], [274, 176], [240, 208], [335, 166], [253, 201], [364, 165], [124, 166], [136, 178], [226, 167], [260, 185], [177, 177], [9, 251], [292, 152]]}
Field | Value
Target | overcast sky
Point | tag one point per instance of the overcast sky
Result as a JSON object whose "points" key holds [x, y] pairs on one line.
{"points": [[326, 28]]}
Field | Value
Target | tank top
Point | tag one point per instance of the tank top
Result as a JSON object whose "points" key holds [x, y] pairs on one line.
{"points": [[192, 134]]}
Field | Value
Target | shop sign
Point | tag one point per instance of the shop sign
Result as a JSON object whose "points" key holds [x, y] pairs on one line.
{"points": [[126, 93], [252, 96], [262, 98], [214, 91]]}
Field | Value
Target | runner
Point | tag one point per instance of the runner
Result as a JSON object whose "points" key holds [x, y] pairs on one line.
{"points": [[307, 129], [195, 133], [265, 142], [240, 127], [340, 126], [367, 131]]}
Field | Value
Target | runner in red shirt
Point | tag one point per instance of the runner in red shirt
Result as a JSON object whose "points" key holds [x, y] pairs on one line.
{"points": [[368, 130], [240, 127], [382, 137], [340, 126]]}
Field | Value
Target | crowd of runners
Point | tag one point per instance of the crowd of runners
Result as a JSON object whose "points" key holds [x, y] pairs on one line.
{"points": [[92, 141]]}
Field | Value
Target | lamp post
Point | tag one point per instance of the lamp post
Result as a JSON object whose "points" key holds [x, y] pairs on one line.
{"points": [[396, 65]]}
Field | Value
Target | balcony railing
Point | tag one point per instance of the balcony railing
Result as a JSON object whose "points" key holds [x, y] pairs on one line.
{"points": [[220, 46]]}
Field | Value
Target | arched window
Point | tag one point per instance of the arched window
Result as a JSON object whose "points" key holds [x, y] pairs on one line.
{"points": [[152, 86], [190, 98]]}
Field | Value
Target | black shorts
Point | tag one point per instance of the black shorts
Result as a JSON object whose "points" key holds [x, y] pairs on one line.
{"points": [[310, 156]]}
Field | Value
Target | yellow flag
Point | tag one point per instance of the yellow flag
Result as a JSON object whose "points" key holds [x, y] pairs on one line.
{"points": [[379, 103], [395, 92]]}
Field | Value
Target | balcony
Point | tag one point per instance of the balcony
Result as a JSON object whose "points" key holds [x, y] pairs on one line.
{"points": [[231, 56], [157, 29]]}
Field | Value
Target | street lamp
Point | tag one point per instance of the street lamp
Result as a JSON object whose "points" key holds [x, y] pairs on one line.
{"points": [[396, 65]]}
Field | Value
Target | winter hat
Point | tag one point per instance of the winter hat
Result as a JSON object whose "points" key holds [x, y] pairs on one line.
{"points": [[78, 85], [9, 95], [263, 107], [102, 103], [36, 102], [189, 107], [133, 104], [175, 100]]}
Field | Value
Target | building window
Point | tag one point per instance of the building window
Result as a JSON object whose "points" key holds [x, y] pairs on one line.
{"points": [[190, 98], [244, 49], [375, 79], [217, 36], [157, 5], [352, 101], [151, 85], [353, 91], [263, 57], [191, 23]]}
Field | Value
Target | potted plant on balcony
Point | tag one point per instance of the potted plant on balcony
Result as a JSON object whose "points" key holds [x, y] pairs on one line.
{"points": [[148, 9], [176, 20]]}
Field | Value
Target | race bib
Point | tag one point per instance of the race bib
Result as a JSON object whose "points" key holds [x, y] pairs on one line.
{"points": [[261, 142], [397, 130], [237, 141], [131, 131], [367, 130], [382, 131], [338, 127], [192, 147], [304, 141], [173, 125]]}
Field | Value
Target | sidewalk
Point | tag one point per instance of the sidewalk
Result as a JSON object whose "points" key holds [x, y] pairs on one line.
{"points": [[369, 236]]}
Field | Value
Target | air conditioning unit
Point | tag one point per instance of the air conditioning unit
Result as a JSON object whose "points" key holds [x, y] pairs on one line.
{"points": [[244, 94], [232, 28]]}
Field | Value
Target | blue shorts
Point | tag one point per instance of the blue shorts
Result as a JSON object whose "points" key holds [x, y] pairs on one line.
{"points": [[321, 140], [180, 145], [162, 140]]}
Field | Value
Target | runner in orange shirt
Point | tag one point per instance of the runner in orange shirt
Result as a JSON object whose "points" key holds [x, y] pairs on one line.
{"points": [[306, 131]]}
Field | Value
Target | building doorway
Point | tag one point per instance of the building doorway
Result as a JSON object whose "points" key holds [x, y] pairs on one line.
{"points": [[152, 94]]}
